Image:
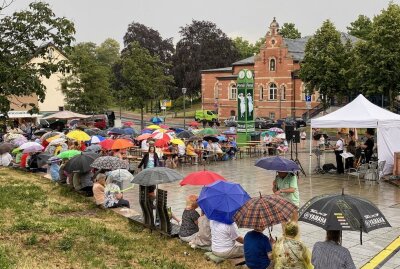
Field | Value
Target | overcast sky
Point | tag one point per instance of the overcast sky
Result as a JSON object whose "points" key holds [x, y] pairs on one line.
{"points": [[96, 20]]}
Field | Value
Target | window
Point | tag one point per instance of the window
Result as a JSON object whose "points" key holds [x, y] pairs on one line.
{"points": [[272, 66], [232, 92], [233, 113], [60, 108], [216, 91], [261, 88], [272, 115], [272, 91], [283, 92]]}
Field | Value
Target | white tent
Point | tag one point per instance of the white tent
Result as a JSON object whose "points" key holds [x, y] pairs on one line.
{"points": [[361, 113]]}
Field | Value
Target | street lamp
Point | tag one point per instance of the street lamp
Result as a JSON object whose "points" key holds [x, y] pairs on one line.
{"points": [[184, 107]]}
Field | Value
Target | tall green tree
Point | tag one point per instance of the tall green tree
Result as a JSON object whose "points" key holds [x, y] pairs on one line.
{"points": [[376, 63], [139, 78], [361, 27], [202, 46], [259, 43], [323, 66], [87, 89], [244, 47], [289, 30], [23, 36]]}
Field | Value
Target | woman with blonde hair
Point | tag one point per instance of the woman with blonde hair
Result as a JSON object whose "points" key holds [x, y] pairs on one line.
{"points": [[189, 226], [289, 252]]}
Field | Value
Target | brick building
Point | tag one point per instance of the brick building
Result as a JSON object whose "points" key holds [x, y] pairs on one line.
{"points": [[278, 91]]}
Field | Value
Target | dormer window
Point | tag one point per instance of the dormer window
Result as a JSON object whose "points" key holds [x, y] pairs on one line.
{"points": [[272, 65]]}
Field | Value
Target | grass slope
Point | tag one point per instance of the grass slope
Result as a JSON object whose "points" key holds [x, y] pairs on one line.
{"points": [[43, 225]]}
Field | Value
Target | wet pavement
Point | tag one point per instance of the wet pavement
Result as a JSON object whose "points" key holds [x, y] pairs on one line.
{"points": [[255, 180]]}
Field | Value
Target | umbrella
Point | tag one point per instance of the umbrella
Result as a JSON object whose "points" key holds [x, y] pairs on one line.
{"points": [[15, 151], [195, 138], [156, 120], [93, 148], [19, 141], [164, 126], [264, 211], [31, 147], [128, 123], [5, 147], [49, 134], [177, 130], [212, 138], [163, 136], [153, 127], [201, 178], [57, 141], [185, 134], [277, 163], [161, 130], [122, 144], [68, 154], [143, 137], [51, 149], [78, 135], [117, 131], [107, 143], [66, 115], [276, 130], [12, 136], [40, 132], [81, 162], [194, 123], [222, 138], [109, 163], [161, 143], [54, 137], [208, 131], [156, 175], [147, 131], [129, 131], [177, 141], [343, 212], [120, 175], [96, 139], [220, 200], [42, 158]]}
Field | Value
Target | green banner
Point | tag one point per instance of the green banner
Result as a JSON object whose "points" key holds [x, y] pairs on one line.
{"points": [[245, 101]]}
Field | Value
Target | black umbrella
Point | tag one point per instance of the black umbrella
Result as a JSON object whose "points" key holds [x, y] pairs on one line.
{"points": [[343, 212], [40, 132], [5, 147], [212, 138], [42, 158], [185, 134], [81, 163], [195, 138]]}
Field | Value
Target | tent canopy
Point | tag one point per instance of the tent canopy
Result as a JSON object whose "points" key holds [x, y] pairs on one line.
{"points": [[66, 115], [360, 113]]}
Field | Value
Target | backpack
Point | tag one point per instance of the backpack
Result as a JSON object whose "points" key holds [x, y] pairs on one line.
{"points": [[328, 167]]}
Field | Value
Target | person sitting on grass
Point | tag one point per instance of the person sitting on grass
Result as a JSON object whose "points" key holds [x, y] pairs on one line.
{"points": [[113, 196], [83, 183], [98, 189], [257, 250], [6, 159], [189, 226], [225, 240], [203, 236], [55, 169]]}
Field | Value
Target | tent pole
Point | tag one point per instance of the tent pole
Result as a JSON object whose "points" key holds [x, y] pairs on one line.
{"points": [[311, 139]]}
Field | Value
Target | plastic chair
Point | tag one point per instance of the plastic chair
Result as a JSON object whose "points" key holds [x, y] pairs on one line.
{"points": [[359, 172]]}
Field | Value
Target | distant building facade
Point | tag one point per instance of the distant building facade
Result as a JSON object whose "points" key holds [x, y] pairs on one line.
{"points": [[278, 91]]}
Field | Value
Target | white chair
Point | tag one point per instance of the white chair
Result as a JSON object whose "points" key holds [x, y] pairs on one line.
{"points": [[379, 171], [359, 172], [372, 173]]}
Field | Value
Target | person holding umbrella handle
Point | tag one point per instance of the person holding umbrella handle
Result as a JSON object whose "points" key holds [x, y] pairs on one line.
{"points": [[285, 185]]}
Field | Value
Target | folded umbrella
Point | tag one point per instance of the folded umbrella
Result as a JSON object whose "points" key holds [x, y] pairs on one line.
{"points": [[156, 175], [277, 163], [201, 178], [185, 134], [109, 163], [78, 135], [81, 162], [31, 147], [120, 175], [5, 147], [264, 211], [68, 154], [220, 200]]}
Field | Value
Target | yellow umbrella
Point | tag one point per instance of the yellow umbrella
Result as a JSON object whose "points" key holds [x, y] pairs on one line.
{"points": [[177, 141], [78, 135], [53, 137], [161, 130], [153, 126]]}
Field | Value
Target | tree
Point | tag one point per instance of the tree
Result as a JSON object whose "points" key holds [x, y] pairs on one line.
{"points": [[149, 39], [361, 27], [139, 77], [244, 47], [259, 43], [24, 35], [87, 90], [289, 30], [203, 46], [376, 62], [323, 66]]}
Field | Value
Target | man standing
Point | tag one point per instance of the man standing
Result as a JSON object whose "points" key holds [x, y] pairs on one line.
{"points": [[339, 150], [368, 145]]}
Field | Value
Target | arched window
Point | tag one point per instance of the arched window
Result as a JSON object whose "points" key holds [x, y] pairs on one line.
{"points": [[233, 113], [272, 65], [216, 92], [261, 89], [272, 91], [283, 92], [232, 91]]}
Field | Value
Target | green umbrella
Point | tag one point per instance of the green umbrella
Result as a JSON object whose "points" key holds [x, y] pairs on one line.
{"points": [[16, 150], [68, 154], [208, 131]]}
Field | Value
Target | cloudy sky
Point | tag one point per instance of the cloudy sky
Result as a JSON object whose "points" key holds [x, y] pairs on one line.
{"points": [[96, 20]]}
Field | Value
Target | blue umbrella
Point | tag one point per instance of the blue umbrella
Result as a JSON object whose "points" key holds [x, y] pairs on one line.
{"points": [[147, 131], [277, 164], [177, 130], [220, 200], [117, 131], [156, 120], [129, 131], [222, 138]]}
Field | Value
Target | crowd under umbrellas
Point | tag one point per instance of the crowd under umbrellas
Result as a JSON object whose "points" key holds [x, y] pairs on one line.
{"points": [[81, 151]]}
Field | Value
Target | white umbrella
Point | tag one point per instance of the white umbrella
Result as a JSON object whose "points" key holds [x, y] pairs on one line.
{"points": [[65, 115], [31, 147]]}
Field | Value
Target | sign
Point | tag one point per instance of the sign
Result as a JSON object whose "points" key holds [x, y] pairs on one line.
{"points": [[308, 98], [166, 103], [163, 108], [245, 101]]}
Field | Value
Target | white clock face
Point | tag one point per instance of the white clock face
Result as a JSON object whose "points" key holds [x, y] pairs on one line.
{"points": [[249, 74], [241, 74]]}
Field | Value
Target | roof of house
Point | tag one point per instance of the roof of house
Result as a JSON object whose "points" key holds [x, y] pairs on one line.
{"points": [[247, 61], [223, 69]]}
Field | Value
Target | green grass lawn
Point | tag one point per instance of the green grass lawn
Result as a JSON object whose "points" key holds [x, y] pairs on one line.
{"points": [[43, 225]]}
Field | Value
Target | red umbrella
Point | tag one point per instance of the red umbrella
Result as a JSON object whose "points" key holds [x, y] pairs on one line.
{"points": [[143, 136], [129, 123], [122, 144], [201, 178], [194, 123], [107, 143], [164, 126], [161, 143]]}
